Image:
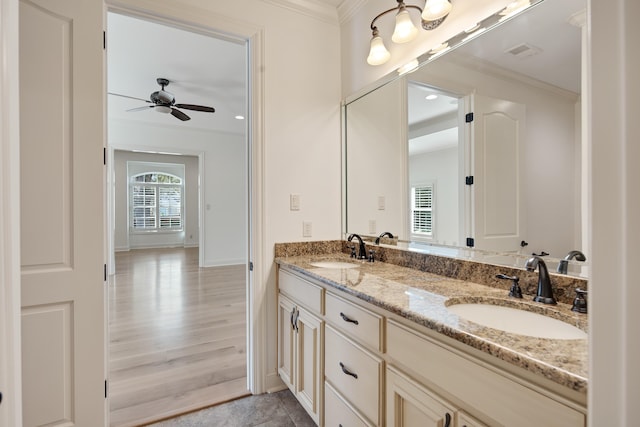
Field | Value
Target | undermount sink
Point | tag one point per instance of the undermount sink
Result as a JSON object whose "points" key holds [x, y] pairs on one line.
{"points": [[517, 321], [334, 264]]}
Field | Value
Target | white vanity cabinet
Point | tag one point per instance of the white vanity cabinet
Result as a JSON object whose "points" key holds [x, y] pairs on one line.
{"points": [[476, 386], [300, 341], [374, 368]]}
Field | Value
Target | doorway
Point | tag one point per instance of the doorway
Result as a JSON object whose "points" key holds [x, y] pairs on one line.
{"points": [[141, 57]]}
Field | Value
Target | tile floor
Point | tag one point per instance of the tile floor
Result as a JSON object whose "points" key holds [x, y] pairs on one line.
{"points": [[278, 409]]}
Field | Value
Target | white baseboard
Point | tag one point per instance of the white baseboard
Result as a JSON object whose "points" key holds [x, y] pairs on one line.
{"points": [[273, 383], [224, 262]]}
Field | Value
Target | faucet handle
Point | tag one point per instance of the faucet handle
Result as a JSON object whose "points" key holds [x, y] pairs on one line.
{"points": [[515, 290], [580, 302], [353, 252], [371, 257]]}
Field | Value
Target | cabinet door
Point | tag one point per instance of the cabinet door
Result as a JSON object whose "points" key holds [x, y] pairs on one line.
{"points": [[309, 344], [286, 341], [411, 405]]}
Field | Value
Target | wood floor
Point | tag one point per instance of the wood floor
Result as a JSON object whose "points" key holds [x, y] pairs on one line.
{"points": [[177, 335]]}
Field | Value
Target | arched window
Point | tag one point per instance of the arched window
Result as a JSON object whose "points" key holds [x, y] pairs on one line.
{"points": [[156, 202]]}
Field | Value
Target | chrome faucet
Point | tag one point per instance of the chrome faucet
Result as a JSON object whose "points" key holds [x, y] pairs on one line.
{"points": [[386, 233], [544, 293], [564, 263], [362, 251]]}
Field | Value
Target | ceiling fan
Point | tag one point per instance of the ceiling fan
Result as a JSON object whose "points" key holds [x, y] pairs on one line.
{"points": [[165, 102]]}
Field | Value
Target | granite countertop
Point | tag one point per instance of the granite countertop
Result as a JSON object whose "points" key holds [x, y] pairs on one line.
{"points": [[423, 297]]}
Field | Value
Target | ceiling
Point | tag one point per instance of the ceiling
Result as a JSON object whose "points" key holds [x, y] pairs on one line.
{"points": [[202, 70], [554, 58]]}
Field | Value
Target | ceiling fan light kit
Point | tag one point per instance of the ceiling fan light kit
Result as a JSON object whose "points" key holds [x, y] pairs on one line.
{"points": [[165, 102]]}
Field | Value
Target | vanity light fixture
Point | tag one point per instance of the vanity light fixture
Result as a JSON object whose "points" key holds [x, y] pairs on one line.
{"points": [[433, 14]]}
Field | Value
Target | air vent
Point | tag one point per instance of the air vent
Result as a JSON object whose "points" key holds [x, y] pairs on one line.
{"points": [[523, 50]]}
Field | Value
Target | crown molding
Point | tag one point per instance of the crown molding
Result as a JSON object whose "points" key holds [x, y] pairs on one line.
{"points": [[502, 73], [312, 8], [348, 8]]}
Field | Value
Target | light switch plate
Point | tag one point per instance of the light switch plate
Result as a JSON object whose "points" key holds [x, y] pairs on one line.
{"points": [[381, 203], [306, 229], [294, 202], [372, 226]]}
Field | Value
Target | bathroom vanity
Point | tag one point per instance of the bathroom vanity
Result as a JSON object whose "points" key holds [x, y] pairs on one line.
{"points": [[374, 344]]}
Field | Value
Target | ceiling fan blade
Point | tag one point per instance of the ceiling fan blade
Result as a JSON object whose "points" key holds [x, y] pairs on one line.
{"points": [[130, 97], [144, 107], [179, 114], [196, 108]]}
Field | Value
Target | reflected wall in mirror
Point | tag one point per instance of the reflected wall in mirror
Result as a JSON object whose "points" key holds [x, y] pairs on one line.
{"points": [[407, 157]]}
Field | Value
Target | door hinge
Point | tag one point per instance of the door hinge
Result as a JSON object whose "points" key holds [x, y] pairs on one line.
{"points": [[104, 40], [104, 155], [470, 242], [105, 272], [468, 118], [468, 180], [106, 389], [250, 265]]}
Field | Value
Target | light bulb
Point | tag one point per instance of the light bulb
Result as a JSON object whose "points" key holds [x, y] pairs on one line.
{"points": [[436, 9], [405, 31], [162, 109], [378, 54]]}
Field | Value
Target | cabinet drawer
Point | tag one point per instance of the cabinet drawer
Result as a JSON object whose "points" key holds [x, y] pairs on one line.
{"points": [[355, 373], [479, 386], [355, 321], [303, 292], [338, 412]]}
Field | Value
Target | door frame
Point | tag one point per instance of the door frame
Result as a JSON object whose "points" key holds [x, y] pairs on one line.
{"points": [[111, 148], [215, 25], [10, 320]]}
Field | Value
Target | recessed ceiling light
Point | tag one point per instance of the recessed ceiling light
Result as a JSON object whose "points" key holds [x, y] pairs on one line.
{"points": [[239, 117], [431, 97]]}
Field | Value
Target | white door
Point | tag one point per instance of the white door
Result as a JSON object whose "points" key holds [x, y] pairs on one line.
{"points": [[62, 208], [497, 135]]}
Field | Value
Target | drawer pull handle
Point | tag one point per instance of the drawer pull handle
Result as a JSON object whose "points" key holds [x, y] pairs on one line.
{"points": [[348, 372], [447, 420], [347, 319], [293, 313]]}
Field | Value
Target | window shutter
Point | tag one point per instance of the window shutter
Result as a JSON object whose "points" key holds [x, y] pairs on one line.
{"points": [[422, 210], [156, 202]]}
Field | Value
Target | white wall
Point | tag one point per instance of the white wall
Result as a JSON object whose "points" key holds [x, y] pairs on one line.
{"points": [[440, 167], [123, 238]]}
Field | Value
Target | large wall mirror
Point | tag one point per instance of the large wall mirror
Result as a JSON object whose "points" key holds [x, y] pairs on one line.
{"points": [[506, 181]]}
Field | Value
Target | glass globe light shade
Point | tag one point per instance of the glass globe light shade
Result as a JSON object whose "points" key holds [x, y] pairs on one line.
{"points": [[405, 31], [436, 9], [378, 54]]}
